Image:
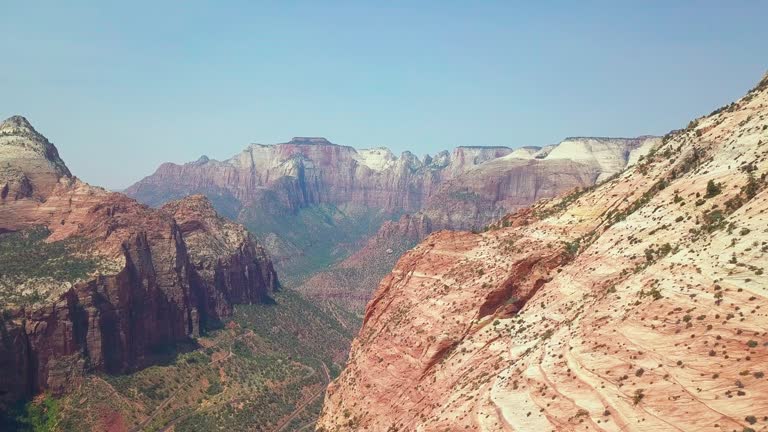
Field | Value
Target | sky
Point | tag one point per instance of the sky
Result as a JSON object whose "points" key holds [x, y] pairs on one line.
{"points": [[121, 87]]}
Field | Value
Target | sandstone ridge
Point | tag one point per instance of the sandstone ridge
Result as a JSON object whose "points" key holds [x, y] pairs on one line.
{"points": [[637, 304]]}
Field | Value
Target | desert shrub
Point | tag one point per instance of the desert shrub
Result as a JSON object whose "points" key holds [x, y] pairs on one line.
{"points": [[638, 396], [713, 189]]}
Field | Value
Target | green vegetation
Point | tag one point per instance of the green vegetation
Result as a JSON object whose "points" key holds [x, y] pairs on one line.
{"points": [[35, 416], [653, 292], [303, 328], [572, 248], [748, 191], [713, 189], [25, 255], [313, 238], [618, 216], [252, 374]]}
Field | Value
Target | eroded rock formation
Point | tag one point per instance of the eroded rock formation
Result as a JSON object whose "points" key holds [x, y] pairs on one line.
{"points": [[157, 276]]}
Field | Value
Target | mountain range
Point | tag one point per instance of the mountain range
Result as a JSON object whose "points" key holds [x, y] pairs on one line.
{"points": [[313, 204]]}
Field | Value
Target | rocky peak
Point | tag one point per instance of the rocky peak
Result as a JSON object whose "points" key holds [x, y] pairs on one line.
{"points": [[16, 124], [440, 160], [232, 267], [528, 152], [19, 128], [31, 165], [544, 151], [378, 158], [410, 160], [202, 160]]}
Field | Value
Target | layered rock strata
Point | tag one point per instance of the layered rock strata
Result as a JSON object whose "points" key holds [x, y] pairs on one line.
{"points": [[638, 304]]}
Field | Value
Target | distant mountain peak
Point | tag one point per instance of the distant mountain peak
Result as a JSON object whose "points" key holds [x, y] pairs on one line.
{"points": [[482, 147], [310, 141], [15, 124]]}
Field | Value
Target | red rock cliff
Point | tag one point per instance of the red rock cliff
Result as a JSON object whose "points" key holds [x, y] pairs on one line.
{"points": [[160, 279]]}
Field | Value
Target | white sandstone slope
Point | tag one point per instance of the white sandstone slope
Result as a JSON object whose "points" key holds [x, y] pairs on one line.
{"points": [[640, 304], [529, 152], [377, 159], [610, 154]]}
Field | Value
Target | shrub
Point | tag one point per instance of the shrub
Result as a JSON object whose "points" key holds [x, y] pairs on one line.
{"points": [[713, 189], [655, 293], [572, 248], [713, 220], [638, 396], [752, 187]]}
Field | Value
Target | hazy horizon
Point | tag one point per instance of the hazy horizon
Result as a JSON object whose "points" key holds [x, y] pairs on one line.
{"points": [[121, 89]]}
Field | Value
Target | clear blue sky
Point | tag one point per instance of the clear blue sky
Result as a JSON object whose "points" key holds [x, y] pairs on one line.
{"points": [[121, 88]]}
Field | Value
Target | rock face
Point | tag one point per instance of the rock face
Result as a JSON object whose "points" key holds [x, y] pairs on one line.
{"points": [[499, 186], [308, 171], [162, 274], [467, 188], [638, 304], [229, 265], [298, 174]]}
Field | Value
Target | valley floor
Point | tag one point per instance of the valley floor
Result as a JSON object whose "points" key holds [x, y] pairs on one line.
{"points": [[266, 369]]}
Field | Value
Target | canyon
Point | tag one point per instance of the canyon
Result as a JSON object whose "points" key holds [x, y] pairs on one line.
{"points": [[335, 219], [103, 295], [638, 303], [596, 284]]}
